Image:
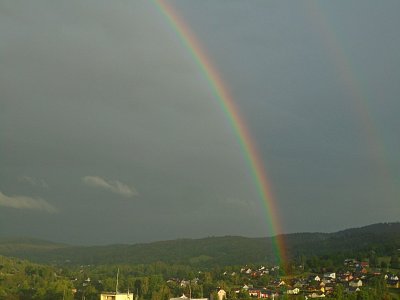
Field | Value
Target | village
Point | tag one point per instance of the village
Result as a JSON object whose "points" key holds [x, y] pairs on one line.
{"points": [[354, 278]]}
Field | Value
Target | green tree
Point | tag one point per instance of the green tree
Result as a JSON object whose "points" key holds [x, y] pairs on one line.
{"points": [[394, 261], [373, 259], [90, 293], [243, 295], [145, 286], [339, 292]]}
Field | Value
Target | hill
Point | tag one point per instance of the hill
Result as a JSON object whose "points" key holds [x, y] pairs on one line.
{"points": [[382, 238], [27, 247]]}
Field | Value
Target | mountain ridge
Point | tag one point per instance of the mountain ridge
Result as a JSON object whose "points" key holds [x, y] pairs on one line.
{"points": [[225, 250]]}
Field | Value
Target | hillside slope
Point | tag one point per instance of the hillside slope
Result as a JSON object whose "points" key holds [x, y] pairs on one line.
{"points": [[381, 238]]}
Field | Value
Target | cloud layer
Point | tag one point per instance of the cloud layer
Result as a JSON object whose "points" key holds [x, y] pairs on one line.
{"points": [[25, 202], [109, 92], [113, 186]]}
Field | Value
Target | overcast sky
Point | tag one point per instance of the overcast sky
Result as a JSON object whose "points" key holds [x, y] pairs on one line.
{"points": [[109, 132]]}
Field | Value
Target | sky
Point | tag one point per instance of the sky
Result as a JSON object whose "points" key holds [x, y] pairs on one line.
{"points": [[110, 133]]}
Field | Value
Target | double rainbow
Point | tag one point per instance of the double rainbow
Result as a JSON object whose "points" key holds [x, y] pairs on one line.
{"points": [[231, 111], [357, 97]]}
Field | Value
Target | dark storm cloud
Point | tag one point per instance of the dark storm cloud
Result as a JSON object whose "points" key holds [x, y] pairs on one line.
{"points": [[316, 83], [100, 103], [104, 88]]}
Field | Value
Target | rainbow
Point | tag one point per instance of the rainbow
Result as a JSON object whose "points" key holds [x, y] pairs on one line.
{"points": [[231, 111], [342, 63]]}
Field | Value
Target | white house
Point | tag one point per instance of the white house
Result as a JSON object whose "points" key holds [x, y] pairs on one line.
{"points": [[355, 284], [183, 297], [330, 275], [185, 283], [315, 295]]}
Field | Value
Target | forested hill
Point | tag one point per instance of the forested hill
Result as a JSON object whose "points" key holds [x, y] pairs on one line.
{"points": [[383, 239]]}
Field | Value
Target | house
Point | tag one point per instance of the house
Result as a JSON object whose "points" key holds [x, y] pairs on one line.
{"points": [[330, 275], [183, 297], [173, 280], [185, 283], [282, 283], [268, 294], [259, 293], [117, 296], [356, 283], [221, 294], [329, 289], [393, 283], [295, 291], [354, 289], [350, 262], [376, 273], [275, 268], [326, 280], [299, 284], [394, 277], [322, 287], [256, 274], [345, 277], [256, 293], [315, 295]]}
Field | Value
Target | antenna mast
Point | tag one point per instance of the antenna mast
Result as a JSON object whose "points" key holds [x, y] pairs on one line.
{"points": [[116, 286]]}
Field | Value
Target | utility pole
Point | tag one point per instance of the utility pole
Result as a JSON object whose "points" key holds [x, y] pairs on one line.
{"points": [[116, 286]]}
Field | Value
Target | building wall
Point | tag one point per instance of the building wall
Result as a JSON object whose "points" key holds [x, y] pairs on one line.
{"points": [[119, 296]]}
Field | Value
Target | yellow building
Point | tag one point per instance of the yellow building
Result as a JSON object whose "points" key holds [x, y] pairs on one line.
{"points": [[117, 296]]}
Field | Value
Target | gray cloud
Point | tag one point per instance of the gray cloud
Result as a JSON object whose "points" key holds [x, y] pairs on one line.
{"points": [[25, 202], [113, 186]]}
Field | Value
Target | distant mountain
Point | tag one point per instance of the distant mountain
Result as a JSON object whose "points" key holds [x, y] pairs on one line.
{"points": [[381, 238], [25, 247]]}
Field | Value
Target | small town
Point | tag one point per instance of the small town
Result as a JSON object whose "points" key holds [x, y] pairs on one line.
{"points": [[356, 280], [365, 275]]}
